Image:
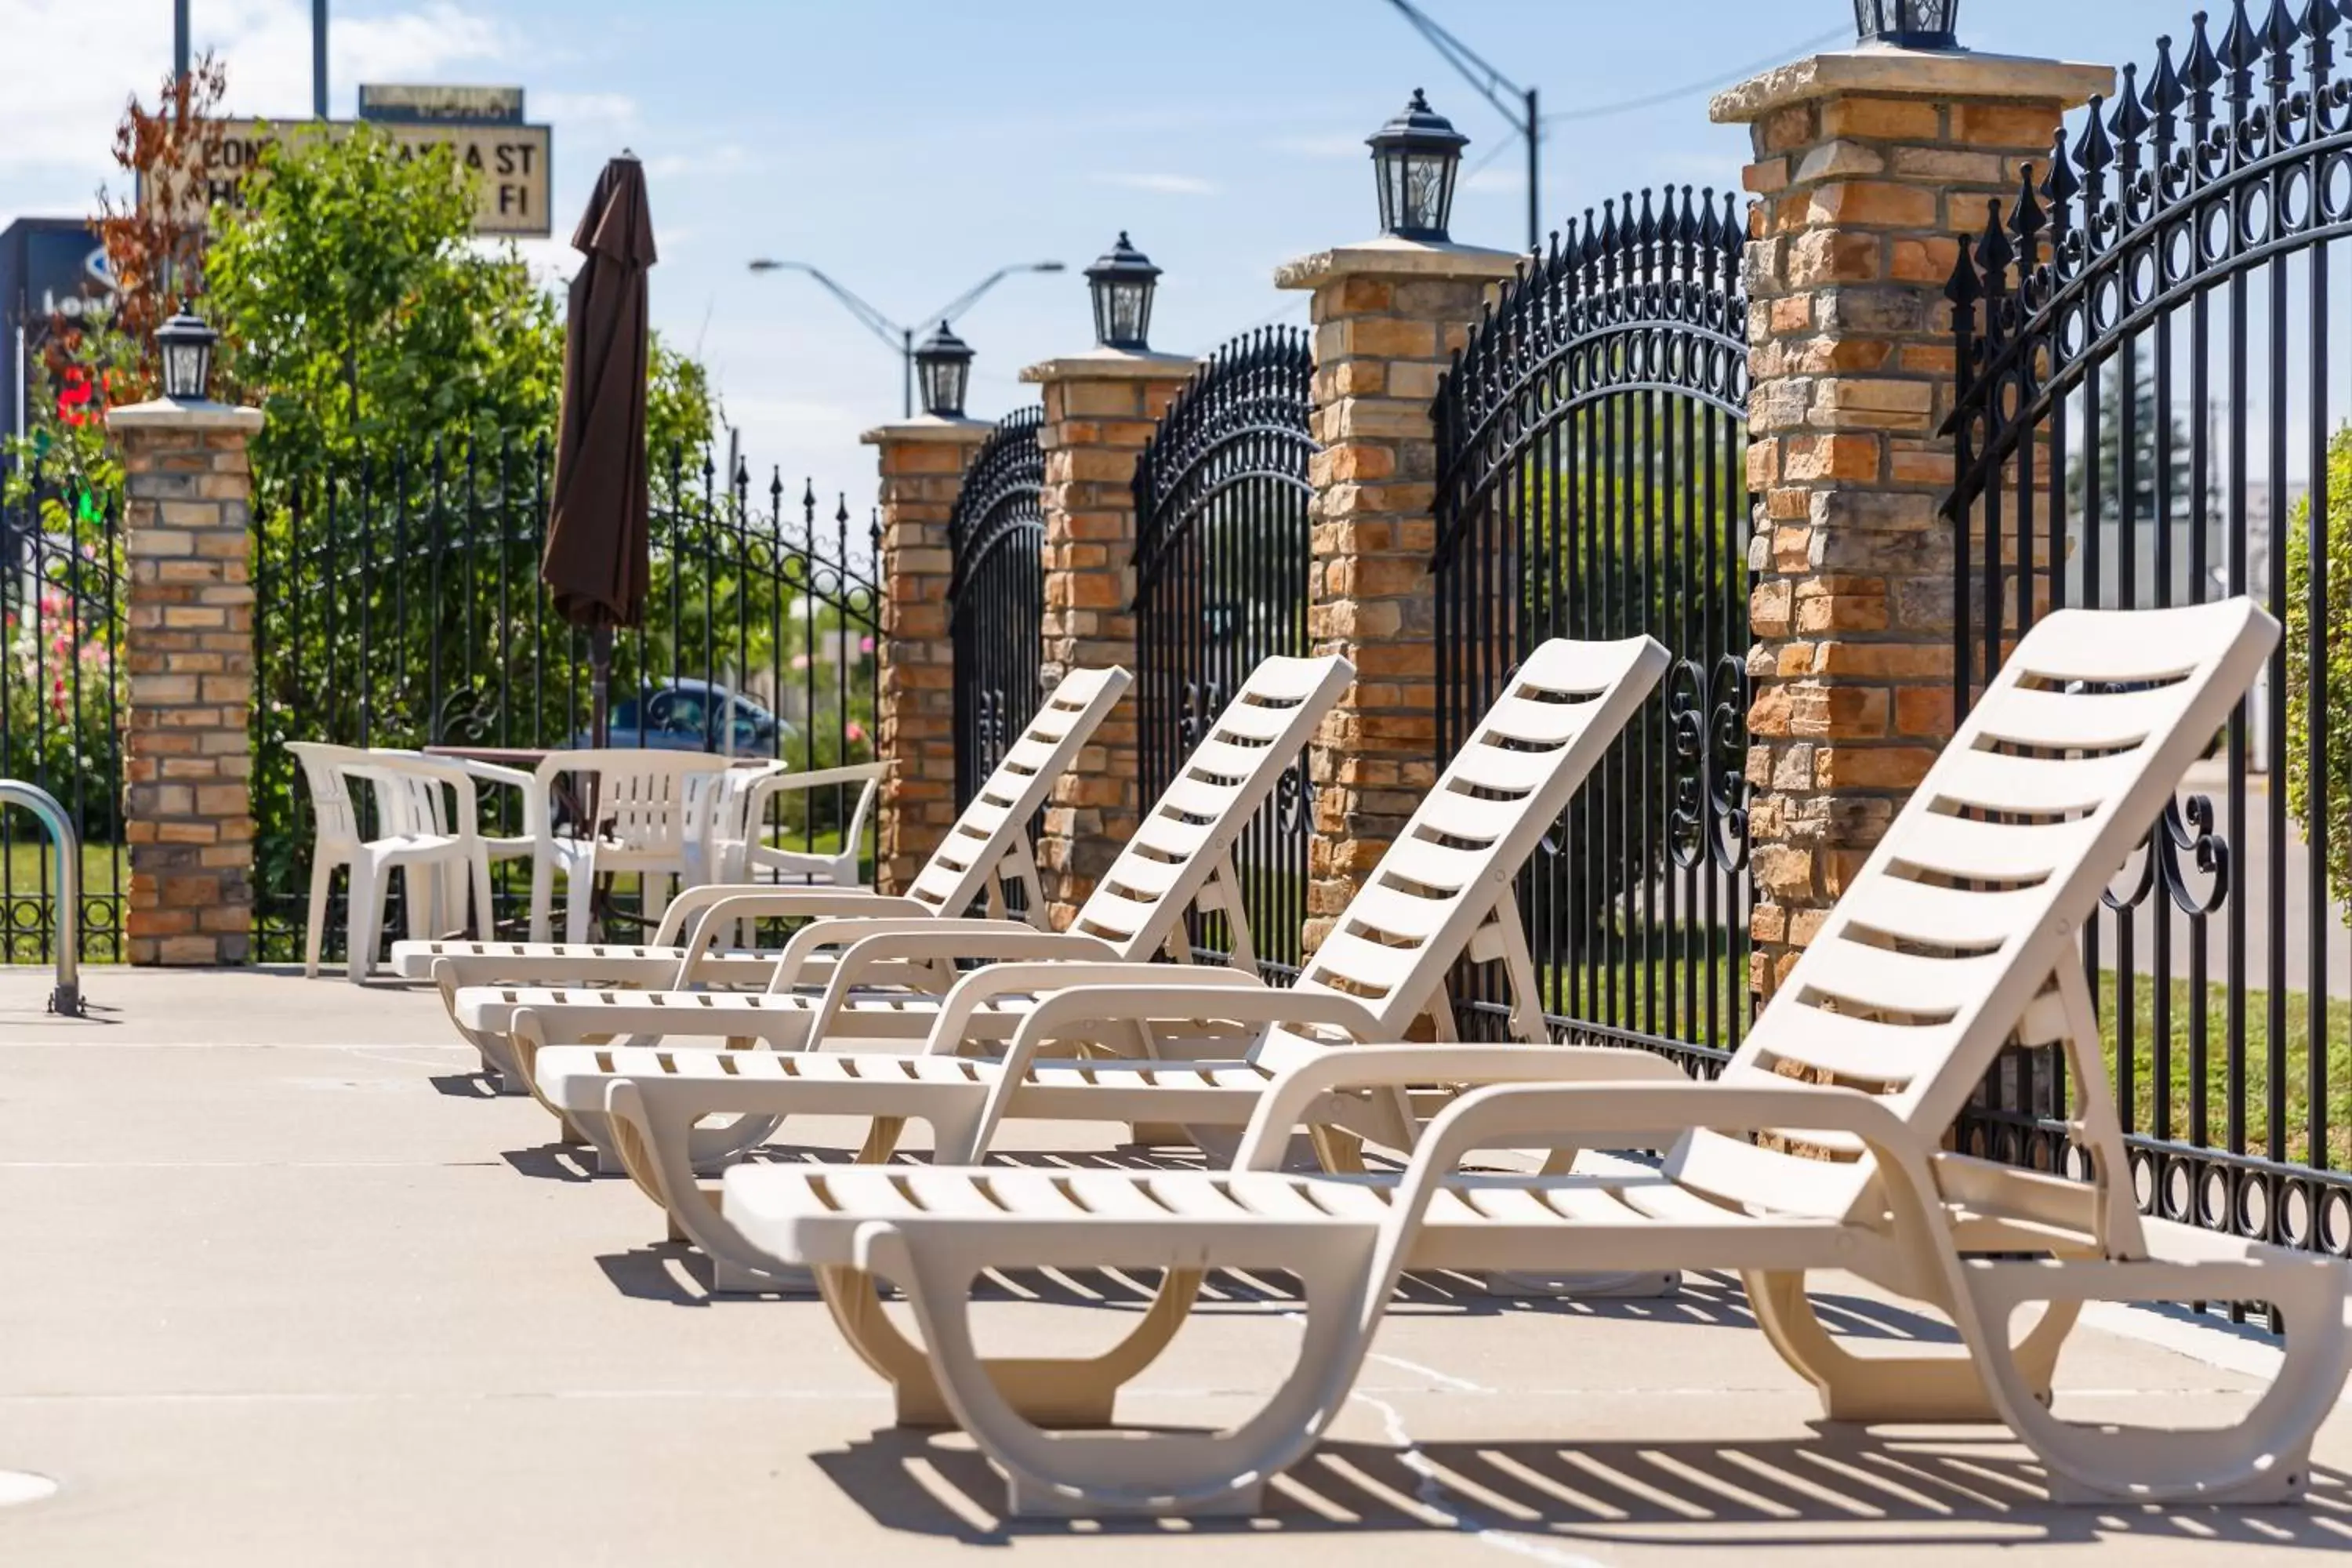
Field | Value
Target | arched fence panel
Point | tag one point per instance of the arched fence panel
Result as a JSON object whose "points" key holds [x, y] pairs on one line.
{"points": [[1221, 500], [2152, 411], [1592, 484], [996, 596], [398, 604], [61, 707]]}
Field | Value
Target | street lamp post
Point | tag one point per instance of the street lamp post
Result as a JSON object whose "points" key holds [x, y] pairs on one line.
{"points": [[901, 338]]}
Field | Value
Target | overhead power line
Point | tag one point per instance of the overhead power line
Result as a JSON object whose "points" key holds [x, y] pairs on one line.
{"points": [[1650, 100]]}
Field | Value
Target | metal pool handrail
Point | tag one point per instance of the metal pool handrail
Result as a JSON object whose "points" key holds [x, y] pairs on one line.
{"points": [[66, 998]]}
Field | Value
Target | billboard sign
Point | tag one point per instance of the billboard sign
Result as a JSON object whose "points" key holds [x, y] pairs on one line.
{"points": [[509, 163], [395, 103]]}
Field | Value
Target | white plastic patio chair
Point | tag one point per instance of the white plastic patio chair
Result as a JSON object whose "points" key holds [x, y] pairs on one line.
{"points": [[430, 841], [654, 812], [748, 858], [1442, 892], [1820, 1148]]}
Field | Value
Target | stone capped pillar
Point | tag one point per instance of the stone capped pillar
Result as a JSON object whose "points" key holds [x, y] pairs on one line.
{"points": [[1389, 315], [922, 462], [187, 757], [1100, 410], [1870, 168]]}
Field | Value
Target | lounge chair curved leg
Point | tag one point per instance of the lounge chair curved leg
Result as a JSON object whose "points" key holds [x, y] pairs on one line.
{"points": [[497, 1054], [650, 1143], [1939, 1388], [2264, 1457], [586, 1128], [1184, 1473], [1046, 1391]]}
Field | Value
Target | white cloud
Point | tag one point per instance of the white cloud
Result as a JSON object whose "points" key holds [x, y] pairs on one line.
{"points": [[701, 162], [566, 111], [70, 65], [1161, 184]]}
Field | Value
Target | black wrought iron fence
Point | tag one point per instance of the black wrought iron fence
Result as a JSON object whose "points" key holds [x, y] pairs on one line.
{"points": [[996, 596], [2151, 413], [1221, 500], [61, 701], [399, 605], [1591, 483]]}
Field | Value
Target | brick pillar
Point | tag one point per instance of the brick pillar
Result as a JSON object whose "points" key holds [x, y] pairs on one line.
{"points": [[1389, 315], [922, 463], [187, 759], [1871, 167], [1100, 410]]}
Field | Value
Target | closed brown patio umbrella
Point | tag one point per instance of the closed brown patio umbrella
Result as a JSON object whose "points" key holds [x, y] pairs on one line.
{"points": [[598, 561]]}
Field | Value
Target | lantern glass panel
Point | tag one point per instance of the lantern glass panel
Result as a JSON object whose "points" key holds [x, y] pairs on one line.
{"points": [[943, 382], [185, 371]]}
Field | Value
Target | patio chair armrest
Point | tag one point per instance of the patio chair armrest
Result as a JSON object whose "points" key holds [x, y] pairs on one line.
{"points": [[1289, 1102], [1066, 978], [854, 772]]}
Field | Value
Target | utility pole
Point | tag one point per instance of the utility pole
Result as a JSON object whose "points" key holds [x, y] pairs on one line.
{"points": [[318, 58], [1497, 89]]}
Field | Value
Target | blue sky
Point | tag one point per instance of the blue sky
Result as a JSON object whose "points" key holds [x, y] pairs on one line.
{"points": [[910, 148]]}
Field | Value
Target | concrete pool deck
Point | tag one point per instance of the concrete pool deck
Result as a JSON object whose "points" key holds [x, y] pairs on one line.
{"points": [[281, 1287]]}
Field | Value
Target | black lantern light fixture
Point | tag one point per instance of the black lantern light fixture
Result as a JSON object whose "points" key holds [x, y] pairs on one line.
{"points": [[943, 373], [1123, 279], [1908, 23], [1415, 157], [185, 345]]}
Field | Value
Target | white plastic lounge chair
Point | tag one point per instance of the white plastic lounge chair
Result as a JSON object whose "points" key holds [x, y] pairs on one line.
{"points": [[1442, 891], [986, 851], [1180, 857], [1961, 932], [429, 838]]}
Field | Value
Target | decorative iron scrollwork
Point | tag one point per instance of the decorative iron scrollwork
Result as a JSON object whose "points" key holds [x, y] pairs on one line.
{"points": [[1707, 718], [2185, 828]]}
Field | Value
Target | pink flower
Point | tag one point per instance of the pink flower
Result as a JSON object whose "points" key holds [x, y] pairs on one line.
{"points": [[865, 645], [854, 731], [799, 661]]}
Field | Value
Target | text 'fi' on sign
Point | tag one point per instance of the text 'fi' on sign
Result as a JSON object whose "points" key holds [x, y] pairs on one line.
{"points": [[509, 164]]}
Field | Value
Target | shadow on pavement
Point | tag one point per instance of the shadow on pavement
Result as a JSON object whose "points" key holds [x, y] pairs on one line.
{"points": [[1843, 1486]]}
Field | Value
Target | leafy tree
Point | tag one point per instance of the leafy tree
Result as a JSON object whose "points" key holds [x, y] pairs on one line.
{"points": [[2154, 450]]}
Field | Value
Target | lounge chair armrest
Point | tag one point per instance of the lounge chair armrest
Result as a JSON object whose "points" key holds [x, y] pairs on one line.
{"points": [[840, 930], [1572, 1115], [715, 906], [1289, 1102], [967, 939], [1174, 987], [1594, 1115]]}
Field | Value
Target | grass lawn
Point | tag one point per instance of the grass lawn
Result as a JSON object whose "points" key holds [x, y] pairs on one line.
{"points": [[29, 874], [2294, 1070]]}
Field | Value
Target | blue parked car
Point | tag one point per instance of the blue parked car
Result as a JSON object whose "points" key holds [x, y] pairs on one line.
{"points": [[687, 715]]}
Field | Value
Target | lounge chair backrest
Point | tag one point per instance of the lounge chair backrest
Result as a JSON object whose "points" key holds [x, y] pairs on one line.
{"points": [[1181, 840], [1459, 853], [994, 823], [1956, 922]]}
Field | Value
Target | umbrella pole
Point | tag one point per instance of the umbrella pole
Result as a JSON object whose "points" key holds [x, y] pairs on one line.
{"points": [[599, 685]]}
